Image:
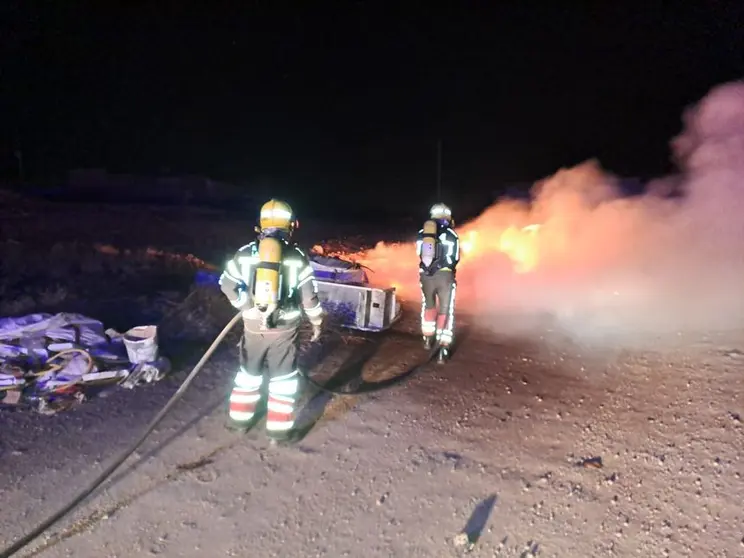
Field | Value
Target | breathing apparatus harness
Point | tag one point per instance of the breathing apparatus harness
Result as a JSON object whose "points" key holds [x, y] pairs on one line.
{"points": [[266, 280], [430, 249]]}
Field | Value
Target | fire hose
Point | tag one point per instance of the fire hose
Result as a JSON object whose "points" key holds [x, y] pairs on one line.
{"points": [[108, 471]]}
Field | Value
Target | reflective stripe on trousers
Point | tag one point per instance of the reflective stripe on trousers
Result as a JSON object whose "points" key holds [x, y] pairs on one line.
{"points": [[245, 395], [283, 392], [445, 328]]}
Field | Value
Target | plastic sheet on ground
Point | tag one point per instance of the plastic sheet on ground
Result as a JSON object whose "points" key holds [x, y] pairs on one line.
{"points": [[50, 361]]}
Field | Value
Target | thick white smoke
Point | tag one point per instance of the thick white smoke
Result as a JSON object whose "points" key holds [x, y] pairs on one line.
{"points": [[611, 267]]}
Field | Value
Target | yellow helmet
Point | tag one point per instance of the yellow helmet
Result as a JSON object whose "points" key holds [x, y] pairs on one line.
{"points": [[440, 212], [276, 214]]}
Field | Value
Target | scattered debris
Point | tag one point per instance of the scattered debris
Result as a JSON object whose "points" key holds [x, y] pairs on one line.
{"points": [[54, 362], [147, 373], [10, 397], [198, 464], [612, 479], [545, 477], [591, 462], [463, 541], [531, 549]]}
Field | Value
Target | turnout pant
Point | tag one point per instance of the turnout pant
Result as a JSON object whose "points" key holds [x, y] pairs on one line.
{"points": [[438, 306], [267, 355]]}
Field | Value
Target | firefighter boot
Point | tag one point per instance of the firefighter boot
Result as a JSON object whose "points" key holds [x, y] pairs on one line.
{"points": [[444, 338], [444, 355], [428, 342], [243, 426]]}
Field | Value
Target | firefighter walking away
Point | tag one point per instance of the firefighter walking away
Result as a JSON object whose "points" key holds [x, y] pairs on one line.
{"points": [[438, 249], [272, 282]]}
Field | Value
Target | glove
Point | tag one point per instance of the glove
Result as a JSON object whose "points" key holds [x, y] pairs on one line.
{"points": [[317, 330]]}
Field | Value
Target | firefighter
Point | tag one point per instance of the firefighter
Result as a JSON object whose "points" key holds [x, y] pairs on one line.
{"points": [[438, 249], [272, 282]]}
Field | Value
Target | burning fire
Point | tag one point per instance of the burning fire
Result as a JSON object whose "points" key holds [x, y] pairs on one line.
{"points": [[520, 245], [601, 262], [397, 265]]}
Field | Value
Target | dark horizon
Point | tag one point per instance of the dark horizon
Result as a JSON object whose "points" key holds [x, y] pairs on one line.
{"points": [[350, 99]]}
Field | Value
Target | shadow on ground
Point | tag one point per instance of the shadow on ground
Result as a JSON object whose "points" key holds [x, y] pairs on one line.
{"points": [[348, 375], [479, 519], [348, 380]]}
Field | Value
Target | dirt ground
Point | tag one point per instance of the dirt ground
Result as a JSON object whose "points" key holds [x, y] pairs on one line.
{"points": [[494, 445]]}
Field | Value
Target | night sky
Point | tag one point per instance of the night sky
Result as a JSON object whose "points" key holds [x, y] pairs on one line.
{"points": [[338, 98]]}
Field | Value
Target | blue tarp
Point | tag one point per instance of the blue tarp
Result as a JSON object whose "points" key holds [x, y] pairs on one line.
{"points": [[205, 278]]}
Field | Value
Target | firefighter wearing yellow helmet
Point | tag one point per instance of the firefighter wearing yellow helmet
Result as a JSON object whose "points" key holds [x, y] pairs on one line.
{"points": [[272, 282], [438, 249]]}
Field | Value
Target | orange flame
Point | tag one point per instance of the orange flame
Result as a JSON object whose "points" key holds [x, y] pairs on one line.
{"points": [[396, 264], [521, 245]]}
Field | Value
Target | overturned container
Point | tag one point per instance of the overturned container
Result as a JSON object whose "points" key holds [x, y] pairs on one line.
{"points": [[344, 291], [359, 306]]}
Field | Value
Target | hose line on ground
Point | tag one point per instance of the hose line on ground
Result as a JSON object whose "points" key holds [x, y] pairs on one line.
{"points": [[105, 474], [100, 479], [385, 384]]}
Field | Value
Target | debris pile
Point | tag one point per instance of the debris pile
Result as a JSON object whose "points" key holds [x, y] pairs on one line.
{"points": [[51, 362]]}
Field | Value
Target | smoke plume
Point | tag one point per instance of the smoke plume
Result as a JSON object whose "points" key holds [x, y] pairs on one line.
{"points": [[602, 265]]}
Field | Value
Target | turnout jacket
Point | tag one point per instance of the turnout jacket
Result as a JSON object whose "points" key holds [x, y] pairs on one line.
{"points": [[299, 289], [447, 251]]}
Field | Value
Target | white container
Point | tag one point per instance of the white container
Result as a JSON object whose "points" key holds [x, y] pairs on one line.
{"points": [[364, 308], [141, 343]]}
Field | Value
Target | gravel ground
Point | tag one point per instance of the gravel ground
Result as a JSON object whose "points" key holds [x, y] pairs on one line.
{"points": [[490, 445]]}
